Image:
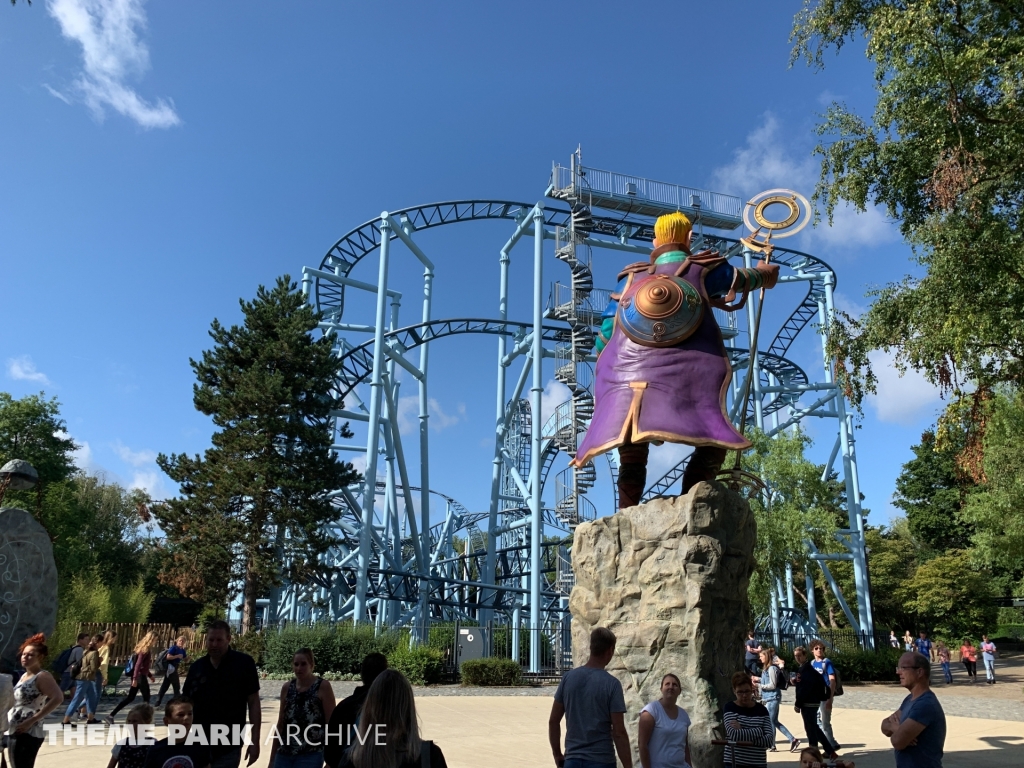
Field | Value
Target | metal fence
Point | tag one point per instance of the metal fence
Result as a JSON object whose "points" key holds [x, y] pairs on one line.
{"points": [[840, 640]]}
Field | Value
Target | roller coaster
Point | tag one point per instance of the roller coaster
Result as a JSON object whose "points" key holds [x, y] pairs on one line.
{"points": [[401, 560]]}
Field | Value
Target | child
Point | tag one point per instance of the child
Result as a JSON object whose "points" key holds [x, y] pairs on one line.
{"points": [[178, 712], [125, 754], [810, 757]]}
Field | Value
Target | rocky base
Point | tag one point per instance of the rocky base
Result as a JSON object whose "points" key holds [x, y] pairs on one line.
{"points": [[669, 578]]}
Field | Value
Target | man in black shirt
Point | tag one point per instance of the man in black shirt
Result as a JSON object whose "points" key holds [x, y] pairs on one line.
{"points": [[223, 686], [811, 690], [346, 714]]}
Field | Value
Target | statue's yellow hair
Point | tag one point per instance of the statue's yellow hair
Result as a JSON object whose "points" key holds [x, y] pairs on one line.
{"points": [[672, 228]]}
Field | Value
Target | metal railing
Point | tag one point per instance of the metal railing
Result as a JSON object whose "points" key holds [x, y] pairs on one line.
{"points": [[601, 182], [841, 640]]}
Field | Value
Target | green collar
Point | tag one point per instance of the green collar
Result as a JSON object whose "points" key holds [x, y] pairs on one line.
{"points": [[672, 257]]}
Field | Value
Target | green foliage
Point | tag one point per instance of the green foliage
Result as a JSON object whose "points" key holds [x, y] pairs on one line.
{"points": [[85, 598], [336, 648], [252, 643], [892, 562], [95, 525], [868, 666], [799, 505], [929, 490], [32, 429], [491, 671], [1011, 632], [421, 664], [258, 497], [951, 596], [996, 506], [942, 154]]}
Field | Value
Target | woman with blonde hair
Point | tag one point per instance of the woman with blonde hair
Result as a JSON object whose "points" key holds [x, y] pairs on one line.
{"points": [[389, 734], [139, 661]]}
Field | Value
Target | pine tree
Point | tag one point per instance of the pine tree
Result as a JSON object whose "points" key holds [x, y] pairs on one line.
{"points": [[255, 508]]}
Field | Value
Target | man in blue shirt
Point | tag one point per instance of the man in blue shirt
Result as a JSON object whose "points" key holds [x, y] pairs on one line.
{"points": [[924, 645], [824, 667], [917, 730]]}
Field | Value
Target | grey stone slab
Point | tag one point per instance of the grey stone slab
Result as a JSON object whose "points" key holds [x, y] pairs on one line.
{"points": [[28, 582]]}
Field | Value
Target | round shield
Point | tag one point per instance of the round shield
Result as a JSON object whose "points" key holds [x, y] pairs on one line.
{"points": [[660, 310]]}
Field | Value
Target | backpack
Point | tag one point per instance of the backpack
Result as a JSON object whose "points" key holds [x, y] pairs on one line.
{"points": [[63, 660], [130, 666], [160, 665], [781, 679], [76, 668], [839, 681]]}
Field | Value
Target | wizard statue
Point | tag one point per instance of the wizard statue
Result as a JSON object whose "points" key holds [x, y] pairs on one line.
{"points": [[662, 370]]}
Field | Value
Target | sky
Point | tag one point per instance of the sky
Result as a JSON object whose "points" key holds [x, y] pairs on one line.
{"points": [[160, 161]]}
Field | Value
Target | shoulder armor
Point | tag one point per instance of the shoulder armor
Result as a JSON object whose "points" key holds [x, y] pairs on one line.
{"points": [[636, 266]]}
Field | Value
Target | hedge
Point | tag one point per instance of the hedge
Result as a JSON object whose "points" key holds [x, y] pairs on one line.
{"points": [[338, 648], [421, 665], [491, 671]]}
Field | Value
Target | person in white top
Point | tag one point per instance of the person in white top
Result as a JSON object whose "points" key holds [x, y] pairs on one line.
{"points": [[663, 728]]}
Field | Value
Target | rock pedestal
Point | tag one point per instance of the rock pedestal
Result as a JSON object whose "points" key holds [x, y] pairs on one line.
{"points": [[669, 578], [28, 583]]}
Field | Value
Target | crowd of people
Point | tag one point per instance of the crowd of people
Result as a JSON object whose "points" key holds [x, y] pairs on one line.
{"points": [[377, 726], [939, 652]]}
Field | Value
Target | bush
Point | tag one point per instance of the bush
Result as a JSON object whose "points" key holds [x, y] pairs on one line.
{"points": [[422, 664], [87, 599], [337, 648], [252, 643], [491, 671], [868, 666], [1013, 633]]}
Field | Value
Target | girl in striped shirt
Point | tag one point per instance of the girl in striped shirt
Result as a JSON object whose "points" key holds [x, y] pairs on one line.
{"points": [[748, 727]]}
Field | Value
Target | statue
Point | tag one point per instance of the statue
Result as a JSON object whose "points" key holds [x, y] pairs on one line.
{"points": [[662, 370]]}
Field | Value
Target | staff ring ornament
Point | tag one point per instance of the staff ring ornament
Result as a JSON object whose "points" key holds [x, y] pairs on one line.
{"points": [[763, 228]]}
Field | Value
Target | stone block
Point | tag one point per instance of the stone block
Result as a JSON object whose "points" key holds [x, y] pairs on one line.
{"points": [[670, 578]]}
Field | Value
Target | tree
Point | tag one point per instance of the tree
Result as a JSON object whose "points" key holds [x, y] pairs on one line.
{"points": [[258, 498], [32, 429], [952, 596], [96, 527], [996, 506], [929, 491], [943, 153], [797, 505], [892, 562]]}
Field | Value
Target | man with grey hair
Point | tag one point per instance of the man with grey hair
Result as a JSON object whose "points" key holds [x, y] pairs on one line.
{"points": [[917, 730], [593, 706]]}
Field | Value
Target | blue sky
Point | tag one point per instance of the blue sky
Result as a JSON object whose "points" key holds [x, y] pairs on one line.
{"points": [[161, 160]]}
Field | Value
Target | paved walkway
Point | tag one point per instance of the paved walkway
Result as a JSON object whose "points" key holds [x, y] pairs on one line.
{"points": [[508, 727]]}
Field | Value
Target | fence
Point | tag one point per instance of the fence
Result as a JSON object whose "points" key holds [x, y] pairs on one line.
{"points": [[839, 640], [129, 635]]}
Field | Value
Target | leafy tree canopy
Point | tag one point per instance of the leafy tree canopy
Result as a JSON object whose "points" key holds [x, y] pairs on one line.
{"points": [[32, 429], [943, 153], [995, 507], [929, 491], [952, 597], [258, 497]]}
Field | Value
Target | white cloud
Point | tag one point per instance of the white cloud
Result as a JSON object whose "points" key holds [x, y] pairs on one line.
{"points": [[150, 481], [409, 414], [900, 399], [135, 458], [23, 369], [850, 306], [111, 53], [555, 393], [767, 161]]}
